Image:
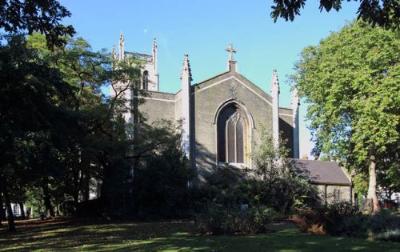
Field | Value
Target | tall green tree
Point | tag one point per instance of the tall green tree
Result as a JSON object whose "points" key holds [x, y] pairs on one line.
{"points": [[352, 82], [28, 84], [33, 97]]}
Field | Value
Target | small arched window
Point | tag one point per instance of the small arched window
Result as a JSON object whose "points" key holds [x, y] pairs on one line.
{"points": [[145, 81]]}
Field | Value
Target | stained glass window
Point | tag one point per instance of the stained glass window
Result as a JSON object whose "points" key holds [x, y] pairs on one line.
{"points": [[231, 134], [239, 141]]}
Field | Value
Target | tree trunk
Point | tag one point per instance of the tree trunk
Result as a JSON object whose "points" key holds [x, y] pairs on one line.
{"points": [[10, 215], [21, 207], [372, 199], [47, 200]]}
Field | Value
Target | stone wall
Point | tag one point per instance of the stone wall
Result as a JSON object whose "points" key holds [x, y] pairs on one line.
{"points": [[157, 106], [335, 193], [208, 98]]}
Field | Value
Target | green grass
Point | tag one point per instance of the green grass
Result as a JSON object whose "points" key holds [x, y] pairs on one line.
{"points": [[168, 236]]}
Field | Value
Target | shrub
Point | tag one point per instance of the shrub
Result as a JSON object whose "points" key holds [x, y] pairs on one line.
{"points": [[309, 220], [344, 219], [384, 225], [383, 221], [220, 220], [389, 235]]}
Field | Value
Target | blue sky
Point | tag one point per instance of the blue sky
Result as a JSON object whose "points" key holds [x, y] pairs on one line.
{"points": [[203, 29]]}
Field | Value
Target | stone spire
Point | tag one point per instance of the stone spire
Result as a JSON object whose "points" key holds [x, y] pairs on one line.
{"points": [[186, 74], [186, 79], [114, 53], [295, 104], [231, 59], [275, 108], [155, 62], [121, 46]]}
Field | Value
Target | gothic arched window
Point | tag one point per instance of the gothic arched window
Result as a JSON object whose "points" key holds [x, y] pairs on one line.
{"points": [[145, 81], [232, 135]]}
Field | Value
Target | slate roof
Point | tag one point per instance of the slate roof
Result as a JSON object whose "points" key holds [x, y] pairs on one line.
{"points": [[323, 172]]}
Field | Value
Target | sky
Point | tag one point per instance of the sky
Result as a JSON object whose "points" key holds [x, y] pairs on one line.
{"points": [[203, 29]]}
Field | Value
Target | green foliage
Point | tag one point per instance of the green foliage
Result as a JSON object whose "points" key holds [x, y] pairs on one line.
{"points": [[351, 83], [161, 179], [61, 132], [273, 188], [342, 218], [220, 220], [360, 182], [282, 185], [18, 16], [34, 202], [385, 13], [390, 235]]}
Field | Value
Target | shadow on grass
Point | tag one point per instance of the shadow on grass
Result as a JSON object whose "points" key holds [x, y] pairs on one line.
{"points": [[170, 236]]}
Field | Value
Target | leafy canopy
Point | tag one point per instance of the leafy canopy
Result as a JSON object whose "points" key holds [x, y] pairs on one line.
{"points": [[28, 16], [385, 13], [351, 81]]}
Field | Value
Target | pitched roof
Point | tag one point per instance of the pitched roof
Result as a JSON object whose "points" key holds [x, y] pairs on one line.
{"points": [[239, 77], [323, 172]]}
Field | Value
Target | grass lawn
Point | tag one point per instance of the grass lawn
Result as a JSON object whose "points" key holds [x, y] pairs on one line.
{"points": [[65, 235]]}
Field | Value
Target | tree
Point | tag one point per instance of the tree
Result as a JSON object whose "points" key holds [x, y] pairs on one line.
{"points": [[28, 16], [351, 81], [282, 185], [385, 13], [22, 76], [34, 96], [160, 185]]}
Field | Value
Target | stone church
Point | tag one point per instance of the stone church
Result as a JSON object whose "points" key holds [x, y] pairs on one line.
{"points": [[224, 116]]}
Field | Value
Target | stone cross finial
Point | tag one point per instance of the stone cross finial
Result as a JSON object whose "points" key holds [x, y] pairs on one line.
{"points": [[231, 51]]}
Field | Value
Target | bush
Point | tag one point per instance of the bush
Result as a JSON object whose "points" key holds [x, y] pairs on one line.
{"points": [[220, 220], [389, 235], [383, 221], [343, 219], [309, 220], [339, 218], [384, 225]]}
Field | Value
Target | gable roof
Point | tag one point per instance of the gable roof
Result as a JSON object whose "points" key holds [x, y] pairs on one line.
{"points": [[323, 172], [220, 78]]}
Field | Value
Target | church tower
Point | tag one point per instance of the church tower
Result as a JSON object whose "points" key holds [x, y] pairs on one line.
{"points": [[149, 63], [149, 72], [150, 76]]}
